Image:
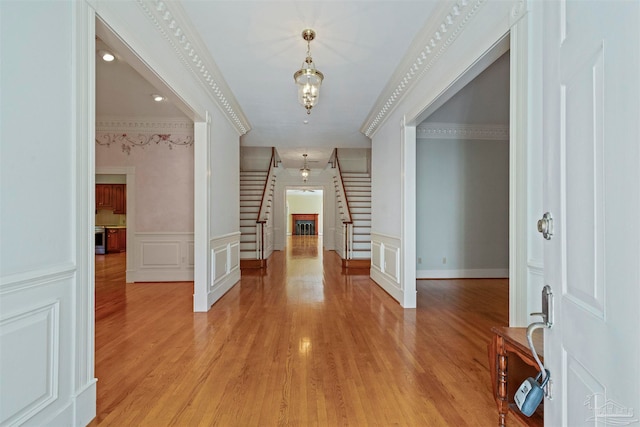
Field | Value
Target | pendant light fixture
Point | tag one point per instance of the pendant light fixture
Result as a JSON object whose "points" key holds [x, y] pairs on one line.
{"points": [[305, 170], [308, 78]]}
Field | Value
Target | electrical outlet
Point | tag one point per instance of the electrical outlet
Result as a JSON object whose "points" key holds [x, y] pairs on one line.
{"points": [[419, 260], [444, 260]]}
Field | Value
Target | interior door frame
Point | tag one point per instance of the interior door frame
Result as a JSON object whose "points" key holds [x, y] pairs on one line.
{"points": [[117, 39], [516, 41]]}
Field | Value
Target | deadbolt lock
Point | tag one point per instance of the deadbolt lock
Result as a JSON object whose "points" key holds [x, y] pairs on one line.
{"points": [[545, 226]]}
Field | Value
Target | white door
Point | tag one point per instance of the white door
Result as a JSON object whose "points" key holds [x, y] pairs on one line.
{"points": [[591, 74]]}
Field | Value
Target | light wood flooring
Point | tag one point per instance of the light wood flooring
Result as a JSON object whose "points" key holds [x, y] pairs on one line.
{"points": [[303, 344]]}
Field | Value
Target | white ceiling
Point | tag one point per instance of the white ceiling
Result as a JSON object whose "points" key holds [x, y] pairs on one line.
{"points": [[257, 45]]}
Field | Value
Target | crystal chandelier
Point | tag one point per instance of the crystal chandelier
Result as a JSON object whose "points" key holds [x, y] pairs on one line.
{"points": [[308, 78]]}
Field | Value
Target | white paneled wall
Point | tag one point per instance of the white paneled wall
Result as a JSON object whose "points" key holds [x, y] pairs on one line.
{"points": [[225, 265], [163, 257], [385, 264]]}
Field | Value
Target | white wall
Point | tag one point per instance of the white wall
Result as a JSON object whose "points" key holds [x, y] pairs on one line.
{"points": [[462, 211], [46, 300]]}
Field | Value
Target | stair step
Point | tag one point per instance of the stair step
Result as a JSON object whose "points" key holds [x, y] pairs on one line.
{"points": [[248, 246], [362, 246], [361, 255]]}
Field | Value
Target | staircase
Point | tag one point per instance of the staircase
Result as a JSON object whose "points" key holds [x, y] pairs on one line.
{"points": [[357, 186], [252, 184]]}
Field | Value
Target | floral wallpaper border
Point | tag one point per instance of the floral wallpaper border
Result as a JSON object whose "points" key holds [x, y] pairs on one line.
{"points": [[128, 141]]}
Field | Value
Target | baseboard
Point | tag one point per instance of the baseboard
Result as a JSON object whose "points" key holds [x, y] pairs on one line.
{"points": [[253, 263], [158, 275], [387, 283], [473, 273], [223, 286], [85, 404], [79, 411], [356, 263]]}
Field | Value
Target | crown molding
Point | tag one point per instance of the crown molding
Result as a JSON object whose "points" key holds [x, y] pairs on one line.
{"points": [[493, 132], [174, 25], [144, 125], [426, 50]]}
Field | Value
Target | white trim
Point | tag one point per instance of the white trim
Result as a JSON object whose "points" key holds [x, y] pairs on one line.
{"points": [[84, 402], [469, 273], [172, 22], [386, 283], [83, 322], [168, 258], [22, 281], [435, 40], [494, 132], [518, 186], [408, 223], [386, 265], [223, 277], [201, 227]]}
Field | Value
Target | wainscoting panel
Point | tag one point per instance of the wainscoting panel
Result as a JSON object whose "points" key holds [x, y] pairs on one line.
{"points": [[160, 254], [163, 257], [219, 265], [36, 348], [30, 342], [225, 265], [386, 264], [191, 254]]}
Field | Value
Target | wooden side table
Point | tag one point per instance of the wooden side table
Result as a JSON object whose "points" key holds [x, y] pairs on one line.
{"points": [[510, 362]]}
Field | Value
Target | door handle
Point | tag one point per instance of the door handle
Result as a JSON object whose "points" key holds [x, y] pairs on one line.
{"points": [[545, 226]]}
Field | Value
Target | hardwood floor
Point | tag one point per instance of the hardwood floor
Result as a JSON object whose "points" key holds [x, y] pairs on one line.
{"points": [[302, 344]]}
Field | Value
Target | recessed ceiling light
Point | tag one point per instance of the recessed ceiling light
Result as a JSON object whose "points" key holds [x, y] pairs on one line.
{"points": [[157, 98], [106, 56]]}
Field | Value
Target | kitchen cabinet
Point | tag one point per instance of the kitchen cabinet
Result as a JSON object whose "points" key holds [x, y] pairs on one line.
{"points": [[112, 197], [119, 198], [104, 196], [116, 240], [122, 239]]}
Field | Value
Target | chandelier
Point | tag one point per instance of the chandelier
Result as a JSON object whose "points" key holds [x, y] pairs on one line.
{"points": [[308, 78], [305, 170]]}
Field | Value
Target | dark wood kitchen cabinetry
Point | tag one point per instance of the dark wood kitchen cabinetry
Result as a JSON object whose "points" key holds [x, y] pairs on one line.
{"points": [[116, 240], [112, 197], [104, 199], [122, 239], [119, 198]]}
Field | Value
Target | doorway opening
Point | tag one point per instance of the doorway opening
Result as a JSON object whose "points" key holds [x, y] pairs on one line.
{"points": [[462, 181]]}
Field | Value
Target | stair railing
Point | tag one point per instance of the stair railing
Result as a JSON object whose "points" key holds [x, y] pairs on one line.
{"points": [[265, 204], [347, 220]]}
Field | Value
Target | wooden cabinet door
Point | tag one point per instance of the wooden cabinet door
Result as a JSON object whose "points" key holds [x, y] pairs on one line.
{"points": [[122, 239], [104, 196], [118, 196], [113, 241]]}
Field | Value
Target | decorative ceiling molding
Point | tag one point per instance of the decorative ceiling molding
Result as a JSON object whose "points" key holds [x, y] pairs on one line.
{"points": [[173, 23], [438, 39], [144, 125], [462, 131]]}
